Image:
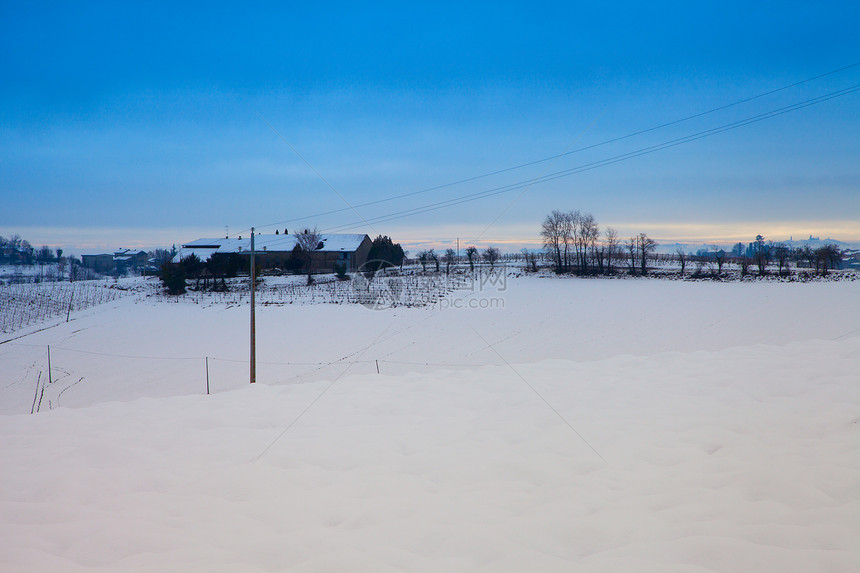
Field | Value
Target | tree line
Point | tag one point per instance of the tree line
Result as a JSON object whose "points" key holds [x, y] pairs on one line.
{"points": [[573, 244], [490, 256], [18, 251]]}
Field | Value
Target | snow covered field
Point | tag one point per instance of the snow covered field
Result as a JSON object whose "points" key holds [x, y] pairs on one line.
{"points": [[571, 424]]}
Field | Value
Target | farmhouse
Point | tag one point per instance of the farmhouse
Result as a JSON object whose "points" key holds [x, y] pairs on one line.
{"points": [[275, 251], [119, 260]]}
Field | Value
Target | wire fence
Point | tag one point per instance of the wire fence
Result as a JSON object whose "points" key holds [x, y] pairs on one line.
{"points": [[66, 376]]}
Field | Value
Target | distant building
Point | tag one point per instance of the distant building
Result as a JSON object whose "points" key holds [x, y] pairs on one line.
{"points": [[851, 259], [119, 261], [16, 254], [275, 251]]}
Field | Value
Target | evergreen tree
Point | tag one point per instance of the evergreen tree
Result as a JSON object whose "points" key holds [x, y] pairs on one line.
{"points": [[384, 253], [173, 278]]}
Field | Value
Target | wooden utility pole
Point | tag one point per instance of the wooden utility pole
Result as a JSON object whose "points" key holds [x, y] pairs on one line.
{"points": [[253, 326]]}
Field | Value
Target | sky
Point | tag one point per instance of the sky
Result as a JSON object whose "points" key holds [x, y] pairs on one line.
{"points": [[143, 125]]}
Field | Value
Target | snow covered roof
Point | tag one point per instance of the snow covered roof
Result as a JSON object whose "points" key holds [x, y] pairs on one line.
{"points": [[203, 253], [127, 253], [342, 242], [205, 248]]}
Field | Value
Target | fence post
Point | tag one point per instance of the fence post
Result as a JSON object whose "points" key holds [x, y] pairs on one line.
{"points": [[207, 375]]}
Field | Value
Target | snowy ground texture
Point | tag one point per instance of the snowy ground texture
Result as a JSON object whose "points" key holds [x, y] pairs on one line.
{"points": [[582, 425]]}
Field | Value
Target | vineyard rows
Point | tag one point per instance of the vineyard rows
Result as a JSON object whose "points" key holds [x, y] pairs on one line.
{"points": [[381, 290], [25, 304]]}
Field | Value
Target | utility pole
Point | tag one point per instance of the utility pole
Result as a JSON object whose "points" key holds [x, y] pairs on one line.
{"points": [[253, 326]]}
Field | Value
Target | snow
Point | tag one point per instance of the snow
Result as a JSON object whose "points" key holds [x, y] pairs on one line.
{"points": [[588, 425]]}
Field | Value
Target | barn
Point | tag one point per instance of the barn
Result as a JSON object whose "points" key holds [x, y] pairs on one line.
{"points": [[275, 251]]}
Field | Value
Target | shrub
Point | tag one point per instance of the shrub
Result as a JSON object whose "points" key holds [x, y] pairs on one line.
{"points": [[173, 278], [340, 271]]}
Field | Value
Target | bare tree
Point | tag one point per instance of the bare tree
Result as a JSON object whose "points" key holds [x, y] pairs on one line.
{"points": [[431, 254], [424, 258], [631, 250], [472, 254], [308, 241], [450, 258], [612, 247], [531, 260], [646, 245], [827, 256], [62, 262], [682, 258], [577, 238], [761, 254], [75, 269], [492, 256], [598, 254], [781, 252], [552, 232], [568, 237], [804, 254], [586, 232], [719, 257], [568, 228], [44, 254]]}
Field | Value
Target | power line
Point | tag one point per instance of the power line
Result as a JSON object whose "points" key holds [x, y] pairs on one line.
{"points": [[566, 153], [600, 163]]}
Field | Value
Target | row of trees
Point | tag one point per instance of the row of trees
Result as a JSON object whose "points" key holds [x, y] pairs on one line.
{"points": [[18, 251], [572, 241], [760, 254], [490, 256]]}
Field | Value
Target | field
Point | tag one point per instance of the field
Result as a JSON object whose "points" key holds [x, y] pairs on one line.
{"points": [[535, 423]]}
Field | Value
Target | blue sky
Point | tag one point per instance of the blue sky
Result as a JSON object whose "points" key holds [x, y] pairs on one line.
{"points": [[147, 124]]}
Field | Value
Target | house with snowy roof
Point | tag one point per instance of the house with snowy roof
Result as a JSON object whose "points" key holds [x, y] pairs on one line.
{"points": [[275, 251]]}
